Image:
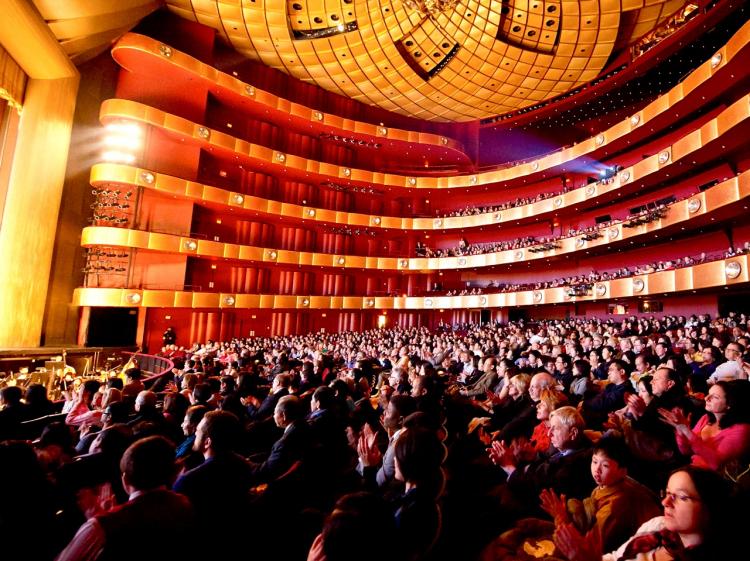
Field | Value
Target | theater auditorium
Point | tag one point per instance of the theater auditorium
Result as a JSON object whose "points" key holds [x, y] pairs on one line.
{"points": [[353, 280]]}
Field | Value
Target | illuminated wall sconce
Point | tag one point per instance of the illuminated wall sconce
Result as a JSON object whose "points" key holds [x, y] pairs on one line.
{"points": [[148, 177], [133, 298], [437, 223], [664, 156], [601, 289], [341, 260], [732, 269], [599, 140], [347, 172], [204, 133], [635, 119], [273, 254], [318, 116], [537, 296], [311, 212], [558, 202], [694, 205], [250, 90], [716, 60], [428, 302], [590, 191], [382, 131], [228, 301], [412, 181], [377, 220], [279, 157], [613, 233], [190, 245], [165, 50], [462, 261], [638, 285], [624, 176], [238, 199], [213, 267]]}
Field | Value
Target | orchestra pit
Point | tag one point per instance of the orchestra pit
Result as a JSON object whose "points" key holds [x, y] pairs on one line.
{"points": [[417, 280]]}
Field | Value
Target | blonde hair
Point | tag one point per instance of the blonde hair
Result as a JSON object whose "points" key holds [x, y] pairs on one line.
{"points": [[521, 382]]}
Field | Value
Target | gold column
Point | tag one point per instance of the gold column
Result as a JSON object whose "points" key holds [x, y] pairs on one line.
{"points": [[29, 223]]}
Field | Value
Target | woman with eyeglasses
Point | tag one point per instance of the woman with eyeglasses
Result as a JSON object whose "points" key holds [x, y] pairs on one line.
{"points": [[722, 435], [696, 525]]}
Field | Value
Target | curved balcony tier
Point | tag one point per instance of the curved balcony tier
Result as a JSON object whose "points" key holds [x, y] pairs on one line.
{"points": [[696, 148], [143, 55], [713, 274], [720, 200], [727, 61]]}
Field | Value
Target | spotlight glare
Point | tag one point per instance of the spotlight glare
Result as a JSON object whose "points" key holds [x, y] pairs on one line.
{"points": [[115, 156]]}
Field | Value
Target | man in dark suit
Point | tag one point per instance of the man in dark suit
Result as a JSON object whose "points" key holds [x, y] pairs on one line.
{"points": [[291, 447], [153, 511], [262, 410], [218, 488]]}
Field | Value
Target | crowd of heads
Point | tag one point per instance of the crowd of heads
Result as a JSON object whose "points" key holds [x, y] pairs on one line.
{"points": [[431, 433]]}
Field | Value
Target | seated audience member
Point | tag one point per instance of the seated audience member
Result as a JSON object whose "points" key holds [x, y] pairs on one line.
{"points": [[293, 445], [596, 409], [258, 410], [184, 450], [37, 403], [485, 382], [722, 435], [354, 516], [696, 525], [525, 421], [399, 407], [549, 400], [649, 438], [153, 513], [133, 384], [218, 488], [562, 470], [12, 412], [581, 386], [83, 411], [419, 455], [27, 509], [616, 508], [731, 369]]}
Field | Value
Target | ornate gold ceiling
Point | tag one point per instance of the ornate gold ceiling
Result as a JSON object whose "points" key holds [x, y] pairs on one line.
{"points": [[441, 60]]}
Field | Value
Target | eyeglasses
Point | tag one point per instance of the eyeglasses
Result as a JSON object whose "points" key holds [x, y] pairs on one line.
{"points": [[677, 498]]}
